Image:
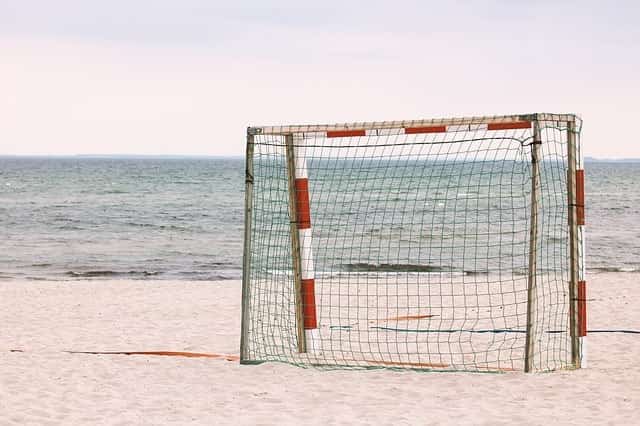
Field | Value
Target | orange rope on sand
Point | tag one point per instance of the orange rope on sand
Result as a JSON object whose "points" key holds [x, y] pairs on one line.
{"points": [[409, 364], [226, 357], [496, 369], [400, 363]]}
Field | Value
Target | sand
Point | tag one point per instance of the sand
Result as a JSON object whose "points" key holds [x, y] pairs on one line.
{"points": [[45, 385]]}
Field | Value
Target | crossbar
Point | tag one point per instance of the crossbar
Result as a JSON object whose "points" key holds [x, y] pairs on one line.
{"points": [[403, 124]]}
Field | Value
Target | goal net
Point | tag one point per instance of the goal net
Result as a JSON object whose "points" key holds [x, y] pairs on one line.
{"points": [[446, 244]]}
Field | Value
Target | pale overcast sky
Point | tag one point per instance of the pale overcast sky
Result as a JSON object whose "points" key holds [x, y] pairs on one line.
{"points": [[188, 76]]}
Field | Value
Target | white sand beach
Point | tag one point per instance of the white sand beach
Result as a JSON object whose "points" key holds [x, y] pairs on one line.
{"points": [[42, 384]]}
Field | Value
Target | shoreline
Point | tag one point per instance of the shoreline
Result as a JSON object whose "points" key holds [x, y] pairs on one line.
{"points": [[116, 276]]}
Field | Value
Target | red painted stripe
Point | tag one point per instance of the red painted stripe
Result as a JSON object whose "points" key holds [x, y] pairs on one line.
{"points": [[580, 196], [309, 304], [345, 133], [302, 203], [582, 308], [509, 125], [160, 353], [428, 129]]}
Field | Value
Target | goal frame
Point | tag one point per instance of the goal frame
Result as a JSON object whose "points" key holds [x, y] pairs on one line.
{"points": [[575, 212]]}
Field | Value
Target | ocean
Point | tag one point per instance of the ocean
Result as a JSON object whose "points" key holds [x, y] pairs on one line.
{"points": [[68, 218]]}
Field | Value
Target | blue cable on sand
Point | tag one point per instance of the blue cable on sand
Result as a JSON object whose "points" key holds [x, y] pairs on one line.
{"points": [[496, 331]]}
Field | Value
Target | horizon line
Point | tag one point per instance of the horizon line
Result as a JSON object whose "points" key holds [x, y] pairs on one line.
{"points": [[176, 156], [125, 155]]}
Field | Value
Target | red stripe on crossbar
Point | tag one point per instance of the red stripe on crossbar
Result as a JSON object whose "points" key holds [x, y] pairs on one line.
{"points": [[302, 203], [580, 196], [582, 308], [345, 133], [509, 125], [428, 129], [309, 304]]}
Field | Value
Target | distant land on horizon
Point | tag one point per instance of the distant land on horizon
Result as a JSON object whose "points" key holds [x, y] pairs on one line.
{"points": [[613, 160], [155, 156], [122, 156], [213, 156]]}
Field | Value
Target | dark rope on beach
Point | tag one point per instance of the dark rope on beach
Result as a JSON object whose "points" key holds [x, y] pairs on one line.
{"points": [[227, 357], [495, 330]]}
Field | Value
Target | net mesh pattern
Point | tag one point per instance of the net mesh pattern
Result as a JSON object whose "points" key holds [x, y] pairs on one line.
{"points": [[421, 248]]}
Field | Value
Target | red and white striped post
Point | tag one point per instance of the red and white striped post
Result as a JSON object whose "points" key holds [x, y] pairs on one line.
{"points": [[582, 283], [301, 236], [307, 273], [578, 289]]}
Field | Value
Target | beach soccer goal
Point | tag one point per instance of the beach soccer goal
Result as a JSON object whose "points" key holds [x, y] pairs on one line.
{"points": [[445, 244]]}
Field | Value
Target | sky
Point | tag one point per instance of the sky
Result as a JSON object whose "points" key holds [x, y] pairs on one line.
{"points": [[187, 77]]}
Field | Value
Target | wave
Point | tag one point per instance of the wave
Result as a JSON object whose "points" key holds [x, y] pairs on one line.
{"points": [[614, 269], [156, 275], [403, 267], [392, 267], [408, 267], [556, 240], [71, 228], [202, 276], [213, 265], [163, 227], [108, 273]]}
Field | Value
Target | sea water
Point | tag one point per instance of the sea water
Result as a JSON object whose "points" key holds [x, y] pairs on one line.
{"points": [[182, 218]]}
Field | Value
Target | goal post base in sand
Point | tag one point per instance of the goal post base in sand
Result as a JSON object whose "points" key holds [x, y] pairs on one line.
{"points": [[445, 244]]}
